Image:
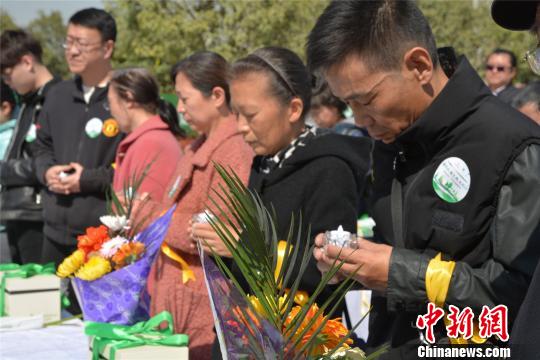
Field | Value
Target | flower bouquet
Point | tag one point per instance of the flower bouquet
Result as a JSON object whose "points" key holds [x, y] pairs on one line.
{"points": [[277, 320], [110, 267]]}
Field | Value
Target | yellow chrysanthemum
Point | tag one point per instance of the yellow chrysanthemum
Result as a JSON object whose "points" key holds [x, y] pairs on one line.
{"points": [[94, 268], [71, 264]]}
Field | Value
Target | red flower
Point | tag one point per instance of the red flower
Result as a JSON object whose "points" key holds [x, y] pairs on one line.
{"points": [[93, 239]]}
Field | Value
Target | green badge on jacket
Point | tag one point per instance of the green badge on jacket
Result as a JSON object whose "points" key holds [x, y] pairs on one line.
{"points": [[31, 134], [93, 127], [452, 180]]}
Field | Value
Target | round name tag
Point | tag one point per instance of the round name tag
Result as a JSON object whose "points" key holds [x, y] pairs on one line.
{"points": [[31, 135], [93, 127], [110, 128], [452, 180]]}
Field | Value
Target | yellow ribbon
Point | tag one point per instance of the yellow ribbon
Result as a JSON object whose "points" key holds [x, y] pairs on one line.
{"points": [[187, 273], [301, 297], [438, 277]]}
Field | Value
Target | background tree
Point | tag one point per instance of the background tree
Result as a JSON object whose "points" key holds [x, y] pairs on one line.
{"points": [[50, 30], [468, 27], [6, 22], [157, 34]]}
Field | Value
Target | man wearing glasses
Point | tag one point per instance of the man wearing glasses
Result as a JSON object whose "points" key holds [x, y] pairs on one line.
{"points": [[500, 72], [75, 155], [525, 335]]}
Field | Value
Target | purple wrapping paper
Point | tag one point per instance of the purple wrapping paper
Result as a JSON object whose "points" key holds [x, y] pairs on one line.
{"points": [[120, 297], [232, 336]]}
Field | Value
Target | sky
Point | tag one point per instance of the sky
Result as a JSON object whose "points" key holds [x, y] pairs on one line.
{"points": [[24, 11]]}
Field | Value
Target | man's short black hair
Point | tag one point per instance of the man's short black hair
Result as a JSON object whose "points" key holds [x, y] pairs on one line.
{"points": [[97, 19], [513, 59], [380, 32], [14, 44]]}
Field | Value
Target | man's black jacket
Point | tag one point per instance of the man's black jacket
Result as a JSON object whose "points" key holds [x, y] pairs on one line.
{"points": [[20, 197], [65, 136], [486, 232]]}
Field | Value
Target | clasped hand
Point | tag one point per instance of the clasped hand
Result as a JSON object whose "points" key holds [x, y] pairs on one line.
{"points": [[64, 179]]}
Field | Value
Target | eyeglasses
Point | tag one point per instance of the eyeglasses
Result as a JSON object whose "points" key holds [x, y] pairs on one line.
{"points": [[496, 68], [533, 58], [79, 44]]}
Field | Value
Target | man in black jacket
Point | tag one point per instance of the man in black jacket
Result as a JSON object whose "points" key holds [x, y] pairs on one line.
{"points": [[455, 183], [75, 156], [20, 198]]}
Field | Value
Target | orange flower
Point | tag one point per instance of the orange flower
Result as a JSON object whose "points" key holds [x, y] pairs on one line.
{"points": [[329, 337], [334, 331], [93, 239], [127, 254]]}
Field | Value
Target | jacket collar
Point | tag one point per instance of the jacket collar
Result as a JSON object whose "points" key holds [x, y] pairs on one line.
{"points": [[154, 123], [461, 96], [99, 92], [325, 144], [34, 96], [205, 147]]}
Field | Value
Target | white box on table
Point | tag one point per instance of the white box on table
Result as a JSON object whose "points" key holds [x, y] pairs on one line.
{"points": [[146, 352], [39, 294]]}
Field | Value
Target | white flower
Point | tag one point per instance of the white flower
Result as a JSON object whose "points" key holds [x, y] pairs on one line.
{"points": [[115, 223], [109, 248]]}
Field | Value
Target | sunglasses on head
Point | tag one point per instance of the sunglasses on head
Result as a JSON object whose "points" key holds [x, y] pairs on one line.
{"points": [[495, 68]]}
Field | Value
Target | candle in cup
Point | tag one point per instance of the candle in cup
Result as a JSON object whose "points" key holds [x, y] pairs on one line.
{"points": [[340, 238]]}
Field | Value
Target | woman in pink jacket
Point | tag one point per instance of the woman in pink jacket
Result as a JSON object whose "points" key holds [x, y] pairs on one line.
{"points": [[201, 84], [152, 127]]}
